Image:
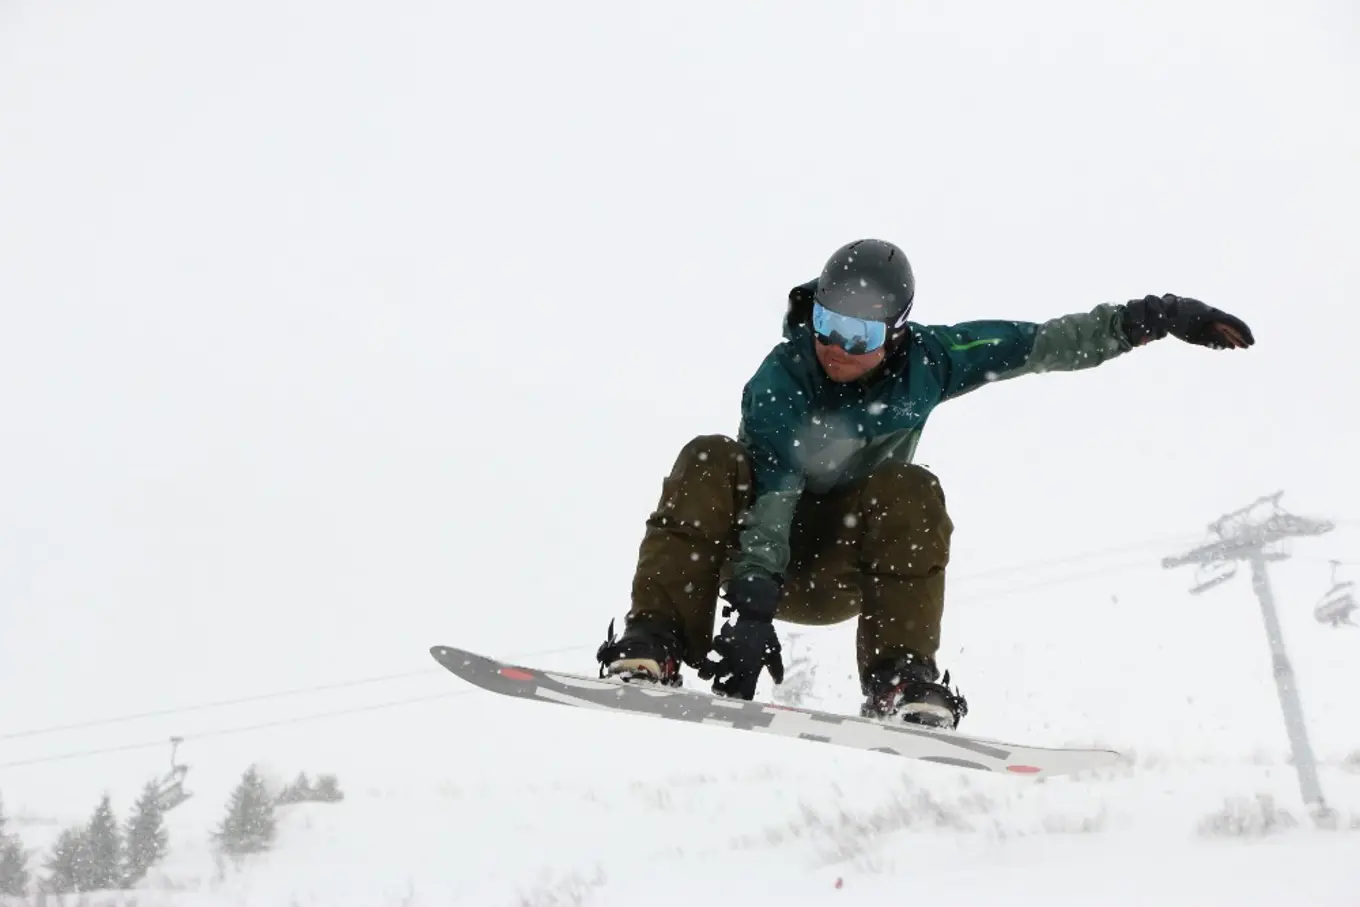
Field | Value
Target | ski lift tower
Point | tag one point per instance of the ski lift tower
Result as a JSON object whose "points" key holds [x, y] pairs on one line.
{"points": [[1255, 534]]}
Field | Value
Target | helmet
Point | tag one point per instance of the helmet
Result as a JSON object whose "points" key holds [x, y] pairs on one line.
{"points": [[869, 279]]}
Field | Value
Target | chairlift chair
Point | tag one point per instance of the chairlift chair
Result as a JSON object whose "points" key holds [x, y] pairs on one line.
{"points": [[172, 792], [1208, 576], [1338, 604]]}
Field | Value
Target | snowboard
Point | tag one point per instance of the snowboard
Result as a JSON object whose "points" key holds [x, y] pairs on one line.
{"points": [[935, 745]]}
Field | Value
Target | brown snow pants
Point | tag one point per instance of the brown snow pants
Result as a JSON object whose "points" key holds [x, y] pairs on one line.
{"points": [[876, 550]]}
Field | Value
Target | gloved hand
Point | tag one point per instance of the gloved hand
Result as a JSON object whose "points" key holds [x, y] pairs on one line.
{"points": [[1153, 317], [749, 643]]}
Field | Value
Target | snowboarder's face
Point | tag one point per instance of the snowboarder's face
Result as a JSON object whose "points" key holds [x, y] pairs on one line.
{"points": [[842, 366]]}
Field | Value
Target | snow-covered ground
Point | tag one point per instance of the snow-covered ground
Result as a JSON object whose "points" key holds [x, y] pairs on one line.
{"points": [[483, 801], [782, 829], [332, 331]]}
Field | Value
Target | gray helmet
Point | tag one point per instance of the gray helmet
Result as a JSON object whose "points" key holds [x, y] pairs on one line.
{"points": [[869, 279]]}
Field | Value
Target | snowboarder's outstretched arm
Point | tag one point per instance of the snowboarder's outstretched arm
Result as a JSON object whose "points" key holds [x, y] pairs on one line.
{"points": [[969, 355], [963, 357]]}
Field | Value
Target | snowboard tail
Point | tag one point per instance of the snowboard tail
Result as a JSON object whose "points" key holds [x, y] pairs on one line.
{"points": [[940, 746]]}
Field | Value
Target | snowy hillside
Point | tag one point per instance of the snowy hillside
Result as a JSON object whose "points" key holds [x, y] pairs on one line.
{"points": [[526, 804], [786, 830], [333, 331], [487, 802]]}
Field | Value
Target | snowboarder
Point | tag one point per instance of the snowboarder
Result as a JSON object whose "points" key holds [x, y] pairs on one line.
{"points": [[815, 513]]}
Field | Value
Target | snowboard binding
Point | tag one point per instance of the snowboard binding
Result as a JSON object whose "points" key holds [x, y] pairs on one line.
{"points": [[648, 651], [906, 689]]}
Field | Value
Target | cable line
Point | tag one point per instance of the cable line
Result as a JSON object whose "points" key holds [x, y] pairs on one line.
{"points": [[224, 732], [450, 694], [385, 678], [1072, 558], [260, 697], [221, 703], [1109, 570]]}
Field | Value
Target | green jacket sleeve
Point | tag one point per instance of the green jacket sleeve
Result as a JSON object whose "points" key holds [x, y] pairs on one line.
{"points": [[771, 408], [969, 355]]}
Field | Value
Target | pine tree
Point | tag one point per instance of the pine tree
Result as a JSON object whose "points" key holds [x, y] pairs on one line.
{"points": [[248, 826], [297, 792], [66, 865], [146, 836], [14, 874], [327, 789], [104, 846]]}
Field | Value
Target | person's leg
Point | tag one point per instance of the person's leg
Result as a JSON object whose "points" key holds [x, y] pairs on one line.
{"points": [[823, 582], [903, 554], [688, 538], [877, 550], [904, 551]]}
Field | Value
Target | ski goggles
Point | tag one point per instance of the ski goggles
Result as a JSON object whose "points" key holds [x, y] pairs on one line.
{"points": [[854, 335]]}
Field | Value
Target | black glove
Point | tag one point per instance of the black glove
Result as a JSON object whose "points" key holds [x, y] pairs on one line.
{"points": [[749, 643], [1153, 317]]}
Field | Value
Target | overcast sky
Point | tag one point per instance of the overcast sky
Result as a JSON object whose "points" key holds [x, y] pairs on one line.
{"points": [[332, 331]]}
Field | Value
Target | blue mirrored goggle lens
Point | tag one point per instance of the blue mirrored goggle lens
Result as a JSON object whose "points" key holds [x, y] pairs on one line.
{"points": [[854, 335]]}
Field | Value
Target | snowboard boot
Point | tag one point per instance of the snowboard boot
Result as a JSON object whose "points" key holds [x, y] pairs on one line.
{"points": [[649, 650], [906, 689]]}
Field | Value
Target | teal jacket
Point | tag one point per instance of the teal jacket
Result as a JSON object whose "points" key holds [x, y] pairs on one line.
{"points": [[807, 433]]}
